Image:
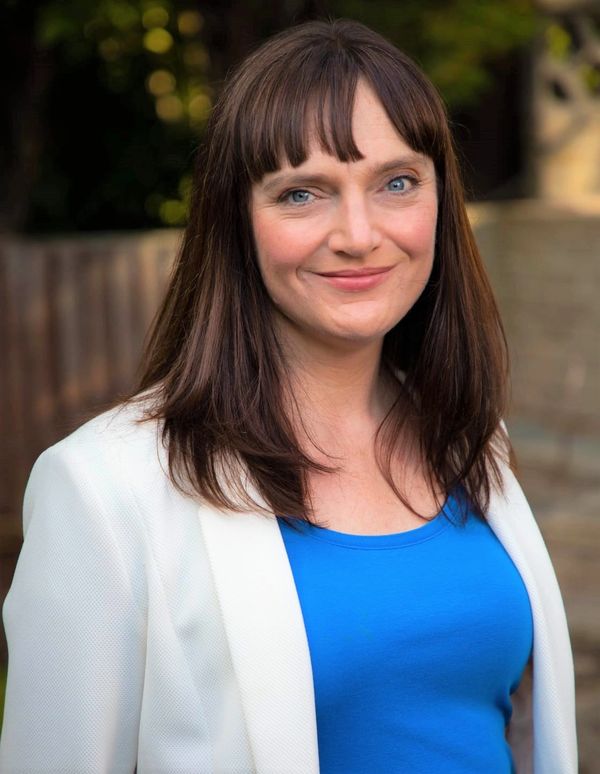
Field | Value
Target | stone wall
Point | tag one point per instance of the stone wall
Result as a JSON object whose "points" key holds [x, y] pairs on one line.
{"points": [[544, 264]]}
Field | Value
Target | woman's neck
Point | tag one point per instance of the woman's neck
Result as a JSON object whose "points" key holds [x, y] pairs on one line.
{"points": [[339, 396]]}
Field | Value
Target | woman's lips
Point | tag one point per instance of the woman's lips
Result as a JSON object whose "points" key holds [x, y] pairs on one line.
{"points": [[356, 280]]}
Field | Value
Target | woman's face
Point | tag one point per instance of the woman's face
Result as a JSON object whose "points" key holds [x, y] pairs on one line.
{"points": [[327, 217]]}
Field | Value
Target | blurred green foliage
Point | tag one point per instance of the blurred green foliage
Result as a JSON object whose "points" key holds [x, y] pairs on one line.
{"points": [[140, 70], [453, 41], [558, 41], [132, 82]]}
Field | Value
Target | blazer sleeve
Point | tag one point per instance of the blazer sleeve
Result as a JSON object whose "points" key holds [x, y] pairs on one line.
{"points": [[75, 632]]}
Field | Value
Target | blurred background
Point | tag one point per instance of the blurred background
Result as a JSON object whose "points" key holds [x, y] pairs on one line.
{"points": [[103, 105]]}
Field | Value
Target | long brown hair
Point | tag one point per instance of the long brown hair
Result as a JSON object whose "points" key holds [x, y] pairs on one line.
{"points": [[212, 361]]}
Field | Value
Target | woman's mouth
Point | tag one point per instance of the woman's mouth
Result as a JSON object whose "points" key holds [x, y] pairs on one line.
{"points": [[356, 279]]}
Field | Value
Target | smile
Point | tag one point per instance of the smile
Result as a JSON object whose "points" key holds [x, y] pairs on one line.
{"points": [[363, 279]]}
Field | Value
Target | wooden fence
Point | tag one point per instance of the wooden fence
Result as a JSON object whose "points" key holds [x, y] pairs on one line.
{"points": [[73, 316]]}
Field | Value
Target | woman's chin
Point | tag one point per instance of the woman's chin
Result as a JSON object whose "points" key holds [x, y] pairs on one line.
{"points": [[338, 333], [355, 336]]}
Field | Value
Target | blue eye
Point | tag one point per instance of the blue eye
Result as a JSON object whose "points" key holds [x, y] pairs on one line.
{"points": [[398, 184], [298, 196]]}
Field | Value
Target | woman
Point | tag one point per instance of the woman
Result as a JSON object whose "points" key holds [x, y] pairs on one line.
{"points": [[299, 546]]}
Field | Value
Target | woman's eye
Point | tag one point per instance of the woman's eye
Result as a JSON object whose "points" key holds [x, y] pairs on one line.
{"points": [[298, 196], [401, 184]]}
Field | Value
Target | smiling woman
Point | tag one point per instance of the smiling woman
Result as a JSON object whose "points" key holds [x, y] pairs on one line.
{"points": [[299, 546]]}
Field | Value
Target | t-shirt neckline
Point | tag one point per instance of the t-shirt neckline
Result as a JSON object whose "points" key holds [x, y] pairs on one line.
{"points": [[393, 540]]}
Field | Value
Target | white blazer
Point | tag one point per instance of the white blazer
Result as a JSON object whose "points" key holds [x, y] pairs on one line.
{"points": [[146, 629]]}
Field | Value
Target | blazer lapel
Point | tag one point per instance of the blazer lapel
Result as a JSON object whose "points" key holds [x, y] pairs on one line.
{"points": [[265, 630], [553, 700]]}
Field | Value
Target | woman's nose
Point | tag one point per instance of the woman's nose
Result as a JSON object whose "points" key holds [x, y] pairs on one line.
{"points": [[354, 231]]}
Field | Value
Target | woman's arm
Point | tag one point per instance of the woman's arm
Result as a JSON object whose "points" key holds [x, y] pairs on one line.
{"points": [[76, 635]]}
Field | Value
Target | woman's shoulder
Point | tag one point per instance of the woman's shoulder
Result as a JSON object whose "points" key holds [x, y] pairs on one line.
{"points": [[123, 433], [118, 454]]}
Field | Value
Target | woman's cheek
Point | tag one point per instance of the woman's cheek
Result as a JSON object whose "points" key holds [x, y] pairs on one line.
{"points": [[424, 228]]}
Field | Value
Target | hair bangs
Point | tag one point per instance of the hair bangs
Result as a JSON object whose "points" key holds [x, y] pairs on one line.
{"points": [[287, 116], [412, 104], [419, 119], [315, 101]]}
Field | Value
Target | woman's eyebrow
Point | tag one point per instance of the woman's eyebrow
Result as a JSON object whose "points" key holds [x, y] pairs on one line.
{"points": [[410, 160], [289, 179], [299, 178]]}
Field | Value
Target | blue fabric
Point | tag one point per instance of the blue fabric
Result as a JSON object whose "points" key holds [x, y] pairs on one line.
{"points": [[417, 639]]}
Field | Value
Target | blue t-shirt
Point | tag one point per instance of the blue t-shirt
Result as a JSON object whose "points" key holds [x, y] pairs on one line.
{"points": [[417, 640]]}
